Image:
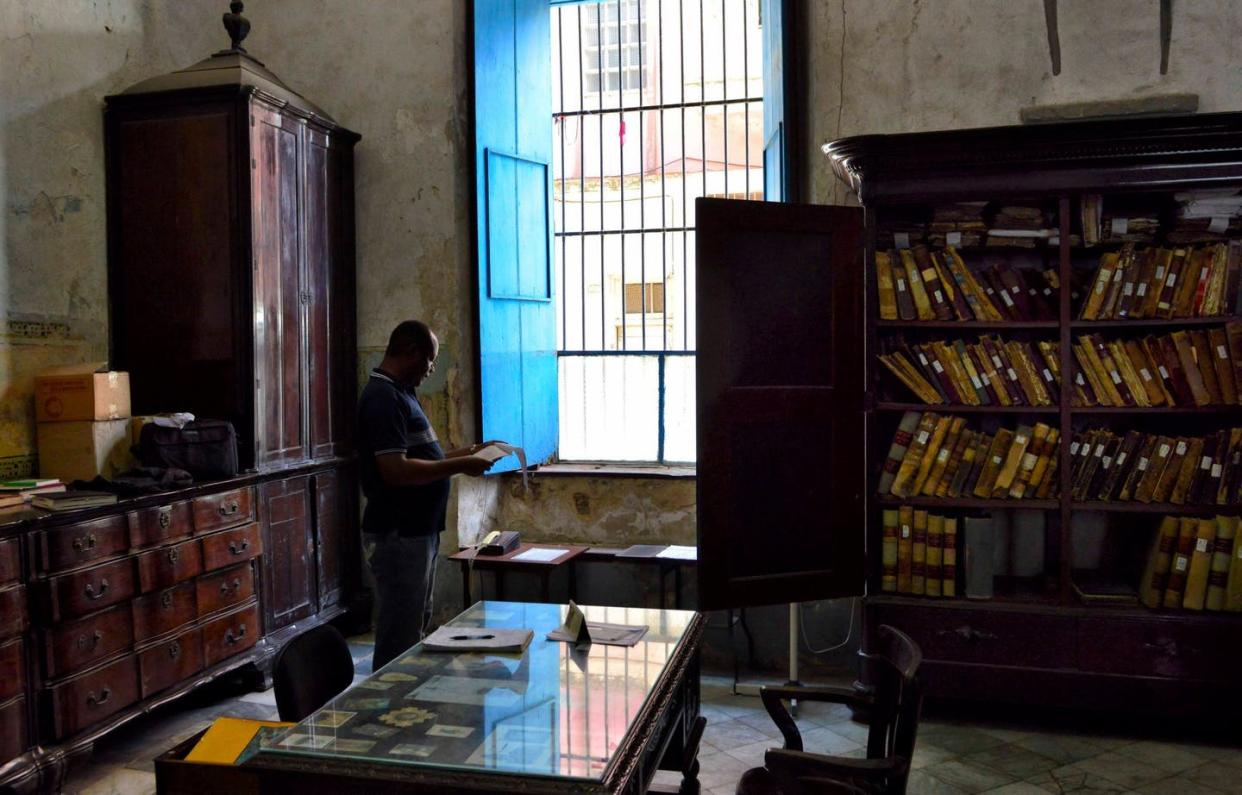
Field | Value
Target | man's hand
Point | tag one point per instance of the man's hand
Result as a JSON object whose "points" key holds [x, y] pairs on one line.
{"points": [[475, 466]]}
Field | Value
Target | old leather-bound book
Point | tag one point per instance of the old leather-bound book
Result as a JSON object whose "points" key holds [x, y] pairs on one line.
{"points": [[1142, 462], [1233, 584], [1218, 575], [948, 558], [905, 547], [941, 461], [904, 481], [929, 454], [918, 554], [1156, 465], [918, 291], [1030, 457], [941, 306], [1186, 359], [1013, 461], [935, 555], [1049, 454], [992, 462], [888, 551], [884, 285], [1172, 469], [1218, 344], [1186, 471], [1145, 370], [965, 438], [1200, 565], [1207, 368], [1175, 586], [897, 450], [1159, 559]]}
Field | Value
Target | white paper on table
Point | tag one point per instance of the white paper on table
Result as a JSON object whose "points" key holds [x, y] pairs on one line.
{"points": [[540, 555], [676, 552]]}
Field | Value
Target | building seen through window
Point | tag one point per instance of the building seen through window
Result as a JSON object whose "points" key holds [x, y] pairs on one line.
{"points": [[655, 104]]}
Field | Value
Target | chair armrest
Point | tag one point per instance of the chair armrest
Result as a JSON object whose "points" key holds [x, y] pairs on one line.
{"points": [[774, 697], [797, 765]]}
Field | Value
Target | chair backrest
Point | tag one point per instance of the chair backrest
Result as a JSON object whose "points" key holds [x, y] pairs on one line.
{"points": [[310, 670], [898, 699]]}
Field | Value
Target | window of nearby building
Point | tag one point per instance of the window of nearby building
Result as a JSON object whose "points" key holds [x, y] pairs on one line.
{"points": [[655, 103]]}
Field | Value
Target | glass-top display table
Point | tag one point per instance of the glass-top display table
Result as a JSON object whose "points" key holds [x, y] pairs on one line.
{"points": [[551, 719]]}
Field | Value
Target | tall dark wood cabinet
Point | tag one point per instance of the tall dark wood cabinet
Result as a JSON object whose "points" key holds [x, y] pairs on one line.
{"points": [[231, 278], [1067, 603]]}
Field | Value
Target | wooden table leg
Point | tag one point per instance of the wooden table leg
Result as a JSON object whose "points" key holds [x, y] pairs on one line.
{"points": [[465, 585]]}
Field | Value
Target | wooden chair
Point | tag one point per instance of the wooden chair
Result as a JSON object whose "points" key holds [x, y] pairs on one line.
{"points": [[311, 670], [893, 708]]}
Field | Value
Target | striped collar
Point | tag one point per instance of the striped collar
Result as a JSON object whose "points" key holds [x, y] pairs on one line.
{"points": [[383, 376]]}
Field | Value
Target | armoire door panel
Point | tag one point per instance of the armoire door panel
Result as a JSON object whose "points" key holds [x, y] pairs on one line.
{"points": [[319, 269], [781, 468], [290, 582], [278, 281]]}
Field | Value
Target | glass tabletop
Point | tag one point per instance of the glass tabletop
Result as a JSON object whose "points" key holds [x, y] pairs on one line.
{"points": [[549, 711]]}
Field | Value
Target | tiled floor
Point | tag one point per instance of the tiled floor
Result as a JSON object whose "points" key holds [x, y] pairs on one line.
{"points": [[952, 757]]}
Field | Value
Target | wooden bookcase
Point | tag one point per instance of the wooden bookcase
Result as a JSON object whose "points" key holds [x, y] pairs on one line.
{"points": [[1037, 641]]}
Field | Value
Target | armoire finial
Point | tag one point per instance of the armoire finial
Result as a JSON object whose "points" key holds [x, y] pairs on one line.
{"points": [[237, 25]]}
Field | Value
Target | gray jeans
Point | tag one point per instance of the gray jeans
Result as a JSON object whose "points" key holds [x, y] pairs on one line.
{"points": [[404, 569]]}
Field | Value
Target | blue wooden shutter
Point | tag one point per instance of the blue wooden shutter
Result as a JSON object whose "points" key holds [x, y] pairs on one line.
{"points": [[775, 173], [513, 165]]}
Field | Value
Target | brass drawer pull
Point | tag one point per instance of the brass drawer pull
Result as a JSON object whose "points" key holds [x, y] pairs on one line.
{"points": [[166, 600], [229, 508], [92, 594], [84, 543], [237, 548], [173, 555], [90, 640], [165, 519], [232, 639], [229, 589], [174, 650], [968, 634], [102, 698]]}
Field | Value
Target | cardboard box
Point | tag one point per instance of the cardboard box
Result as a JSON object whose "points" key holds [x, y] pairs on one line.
{"points": [[79, 392], [81, 450]]}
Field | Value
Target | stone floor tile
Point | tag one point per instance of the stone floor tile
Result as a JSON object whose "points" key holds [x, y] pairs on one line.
{"points": [[751, 754], [762, 722], [1170, 757], [1177, 785], [117, 781], [1016, 788], [851, 730], [968, 777], [927, 754], [1115, 767], [960, 739], [1218, 775], [1013, 760], [923, 784], [1074, 781], [731, 734], [1062, 748], [824, 740], [718, 769]]}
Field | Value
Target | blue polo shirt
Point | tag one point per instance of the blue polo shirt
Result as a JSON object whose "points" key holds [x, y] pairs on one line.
{"points": [[391, 420]]}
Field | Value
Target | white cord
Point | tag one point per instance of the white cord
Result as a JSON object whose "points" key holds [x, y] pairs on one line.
{"points": [[849, 633]]}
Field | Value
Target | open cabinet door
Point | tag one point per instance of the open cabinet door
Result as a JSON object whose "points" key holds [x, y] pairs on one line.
{"points": [[781, 454]]}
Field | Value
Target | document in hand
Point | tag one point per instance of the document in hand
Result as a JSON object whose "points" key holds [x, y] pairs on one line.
{"points": [[495, 451], [489, 639]]}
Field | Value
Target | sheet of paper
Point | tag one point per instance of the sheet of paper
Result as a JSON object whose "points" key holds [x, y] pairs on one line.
{"points": [[540, 555], [642, 551], [677, 552], [497, 450]]}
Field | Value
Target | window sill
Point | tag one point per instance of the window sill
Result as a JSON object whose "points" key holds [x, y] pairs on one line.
{"points": [[614, 470]]}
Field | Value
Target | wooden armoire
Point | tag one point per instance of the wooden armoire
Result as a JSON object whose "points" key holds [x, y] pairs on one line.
{"points": [[231, 282]]}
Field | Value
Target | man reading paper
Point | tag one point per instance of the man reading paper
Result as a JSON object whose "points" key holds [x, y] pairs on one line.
{"points": [[405, 477]]}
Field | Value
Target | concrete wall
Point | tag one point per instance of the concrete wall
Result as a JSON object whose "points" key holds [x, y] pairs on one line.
{"points": [[397, 72]]}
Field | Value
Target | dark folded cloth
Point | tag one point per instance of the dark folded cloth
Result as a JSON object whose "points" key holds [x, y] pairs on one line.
{"points": [[136, 482]]}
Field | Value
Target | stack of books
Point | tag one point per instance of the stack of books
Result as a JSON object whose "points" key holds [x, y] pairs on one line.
{"points": [[1165, 283], [921, 284], [1116, 226], [1197, 367], [987, 373], [1194, 564], [934, 455], [15, 493], [1019, 225], [1206, 215], [1154, 468], [919, 554], [72, 500], [957, 224]]}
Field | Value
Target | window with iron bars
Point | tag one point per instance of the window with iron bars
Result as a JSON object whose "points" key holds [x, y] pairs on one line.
{"points": [[655, 103]]}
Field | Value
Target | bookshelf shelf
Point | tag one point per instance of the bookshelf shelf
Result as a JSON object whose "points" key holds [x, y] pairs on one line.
{"points": [[1155, 507], [1088, 325], [889, 405], [1008, 325], [945, 503], [1156, 410]]}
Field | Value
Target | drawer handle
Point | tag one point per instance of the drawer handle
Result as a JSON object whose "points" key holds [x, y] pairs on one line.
{"points": [[166, 600], [102, 698], [229, 589], [92, 641], [84, 543], [92, 594], [232, 639], [968, 634], [229, 508], [237, 548], [1170, 648], [173, 555], [174, 650], [165, 516]]}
